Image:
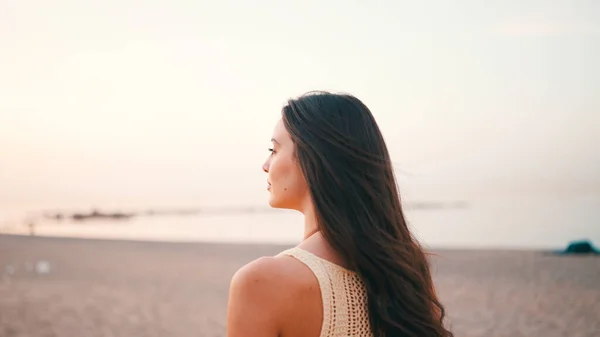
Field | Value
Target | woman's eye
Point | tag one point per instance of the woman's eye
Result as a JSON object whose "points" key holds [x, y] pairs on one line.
{"points": [[272, 150]]}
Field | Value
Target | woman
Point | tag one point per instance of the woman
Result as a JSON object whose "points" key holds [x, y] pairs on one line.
{"points": [[358, 271]]}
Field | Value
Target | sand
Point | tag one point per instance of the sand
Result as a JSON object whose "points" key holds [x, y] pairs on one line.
{"points": [[77, 287]]}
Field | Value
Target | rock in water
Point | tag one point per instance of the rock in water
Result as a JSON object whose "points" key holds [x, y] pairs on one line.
{"points": [[580, 247]]}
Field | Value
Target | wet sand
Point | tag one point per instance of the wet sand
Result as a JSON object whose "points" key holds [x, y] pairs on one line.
{"points": [[77, 287]]}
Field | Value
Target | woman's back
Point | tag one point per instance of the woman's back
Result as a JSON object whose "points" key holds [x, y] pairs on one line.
{"points": [[343, 296], [301, 292]]}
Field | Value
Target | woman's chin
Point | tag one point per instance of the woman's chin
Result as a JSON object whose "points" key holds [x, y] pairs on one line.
{"points": [[273, 203], [276, 203]]}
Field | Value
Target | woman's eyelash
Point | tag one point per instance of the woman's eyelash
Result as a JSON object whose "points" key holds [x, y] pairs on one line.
{"points": [[271, 150]]}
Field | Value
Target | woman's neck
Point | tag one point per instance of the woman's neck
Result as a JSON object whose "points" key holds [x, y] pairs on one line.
{"points": [[311, 225]]}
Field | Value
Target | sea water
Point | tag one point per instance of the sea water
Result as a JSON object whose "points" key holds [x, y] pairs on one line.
{"points": [[519, 222]]}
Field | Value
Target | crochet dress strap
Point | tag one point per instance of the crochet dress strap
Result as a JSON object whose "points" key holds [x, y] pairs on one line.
{"points": [[343, 294]]}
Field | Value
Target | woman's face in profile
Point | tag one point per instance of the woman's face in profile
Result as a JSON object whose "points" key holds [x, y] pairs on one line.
{"points": [[286, 184]]}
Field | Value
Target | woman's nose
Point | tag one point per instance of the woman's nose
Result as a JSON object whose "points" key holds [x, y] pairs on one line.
{"points": [[265, 167]]}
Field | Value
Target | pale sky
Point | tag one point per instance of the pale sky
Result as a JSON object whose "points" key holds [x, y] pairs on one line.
{"points": [[166, 100]]}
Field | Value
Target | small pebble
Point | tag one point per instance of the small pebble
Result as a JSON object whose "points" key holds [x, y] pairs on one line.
{"points": [[42, 267]]}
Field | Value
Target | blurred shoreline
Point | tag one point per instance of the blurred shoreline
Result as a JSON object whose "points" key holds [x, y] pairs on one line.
{"points": [[97, 213]]}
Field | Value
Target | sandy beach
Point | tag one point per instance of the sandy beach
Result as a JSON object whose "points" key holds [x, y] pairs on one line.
{"points": [[80, 287]]}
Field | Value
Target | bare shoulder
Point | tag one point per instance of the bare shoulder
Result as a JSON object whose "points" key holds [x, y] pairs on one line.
{"points": [[264, 292], [270, 274]]}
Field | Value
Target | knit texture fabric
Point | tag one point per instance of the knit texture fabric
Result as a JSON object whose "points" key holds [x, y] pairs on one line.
{"points": [[344, 297]]}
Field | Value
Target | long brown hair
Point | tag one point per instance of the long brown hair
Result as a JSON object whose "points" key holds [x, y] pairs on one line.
{"points": [[345, 161]]}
